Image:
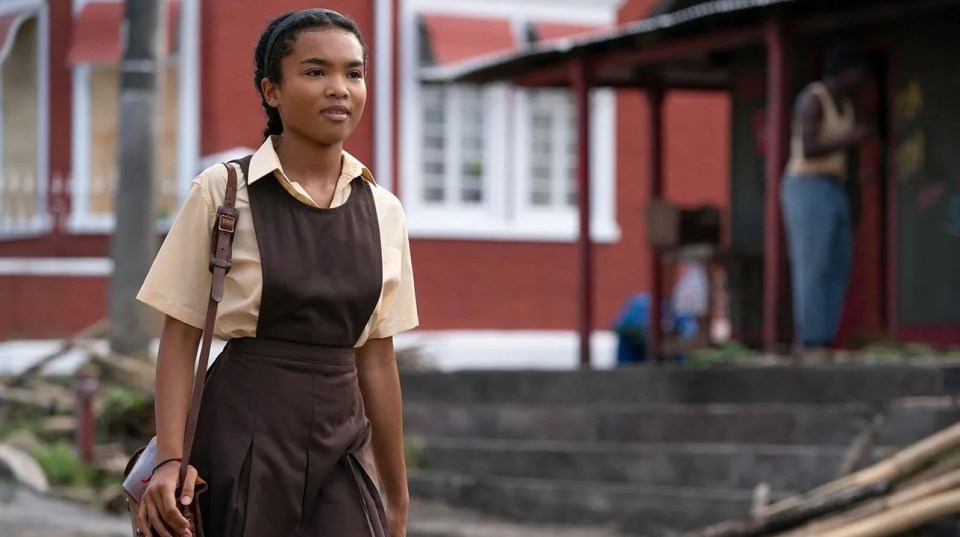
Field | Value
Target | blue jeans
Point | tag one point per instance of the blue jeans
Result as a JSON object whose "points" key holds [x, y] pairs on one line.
{"points": [[816, 212]]}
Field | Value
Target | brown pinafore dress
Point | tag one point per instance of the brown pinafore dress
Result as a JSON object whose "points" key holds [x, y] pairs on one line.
{"points": [[282, 428]]}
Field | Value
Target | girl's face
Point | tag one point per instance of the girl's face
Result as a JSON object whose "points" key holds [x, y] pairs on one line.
{"points": [[322, 90]]}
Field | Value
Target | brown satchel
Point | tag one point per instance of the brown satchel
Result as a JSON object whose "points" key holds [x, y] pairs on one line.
{"points": [[142, 463]]}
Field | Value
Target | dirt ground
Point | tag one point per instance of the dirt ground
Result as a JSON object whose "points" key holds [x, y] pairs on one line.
{"points": [[26, 514]]}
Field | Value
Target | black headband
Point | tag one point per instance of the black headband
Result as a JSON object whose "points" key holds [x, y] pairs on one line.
{"points": [[284, 24]]}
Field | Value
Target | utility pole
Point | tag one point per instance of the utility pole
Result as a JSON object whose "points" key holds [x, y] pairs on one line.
{"points": [[134, 237]]}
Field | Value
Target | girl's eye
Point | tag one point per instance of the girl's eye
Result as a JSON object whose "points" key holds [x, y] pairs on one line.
{"points": [[356, 74], [315, 72]]}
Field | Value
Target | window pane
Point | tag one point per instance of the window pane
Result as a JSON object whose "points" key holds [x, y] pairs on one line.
{"points": [[433, 182], [540, 184], [472, 128], [19, 176], [471, 190], [540, 199], [104, 126], [433, 194], [544, 120], [434, 144], [542, 146], [571, 149], [473, 143]]}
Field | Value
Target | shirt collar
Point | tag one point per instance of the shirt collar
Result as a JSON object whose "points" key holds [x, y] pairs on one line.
{"points": [[265, 162]]}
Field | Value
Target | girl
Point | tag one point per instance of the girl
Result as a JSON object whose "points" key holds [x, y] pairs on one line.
{"points": [[307, 385]]}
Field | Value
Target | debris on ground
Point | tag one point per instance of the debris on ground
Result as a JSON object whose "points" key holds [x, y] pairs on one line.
{"points": [[908, 490]]}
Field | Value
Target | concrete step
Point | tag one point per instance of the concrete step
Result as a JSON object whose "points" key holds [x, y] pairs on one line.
{"points": [[671, 384], [438, 519], [734, 466], [831, 424], [575, 509], [638, 510]]}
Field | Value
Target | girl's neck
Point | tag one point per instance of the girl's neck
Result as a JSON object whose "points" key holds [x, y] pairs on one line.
{"points": [[307, 162]]}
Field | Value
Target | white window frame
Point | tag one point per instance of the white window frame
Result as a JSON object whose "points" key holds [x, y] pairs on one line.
{"points": [[81, 219], [454, 214], [506, 216], [603, 154], [42, 221]]}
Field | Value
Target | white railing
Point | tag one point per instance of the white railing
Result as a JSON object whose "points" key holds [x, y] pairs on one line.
{"points": [[23, 204], [93, 204], [25, 209]]}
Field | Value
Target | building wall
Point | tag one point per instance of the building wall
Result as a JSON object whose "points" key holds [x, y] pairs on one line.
{"points": [[461, 284], [36, 306]]}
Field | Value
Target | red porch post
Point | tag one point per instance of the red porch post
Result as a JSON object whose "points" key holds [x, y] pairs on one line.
{"points": [[60, 115], [655, 176], [777, 105], [581, 88]]}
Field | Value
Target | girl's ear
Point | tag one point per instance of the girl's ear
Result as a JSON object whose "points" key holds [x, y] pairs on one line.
{"points": [[270, 92]]}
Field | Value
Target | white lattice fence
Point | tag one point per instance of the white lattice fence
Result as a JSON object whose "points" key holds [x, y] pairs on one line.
{"points": [[23, 204]]}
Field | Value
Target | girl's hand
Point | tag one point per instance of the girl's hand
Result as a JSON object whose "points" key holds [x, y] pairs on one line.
{"points": [[159, 515]]}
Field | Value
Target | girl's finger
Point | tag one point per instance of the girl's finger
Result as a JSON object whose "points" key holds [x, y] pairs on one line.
{"points": [[157, 522]]}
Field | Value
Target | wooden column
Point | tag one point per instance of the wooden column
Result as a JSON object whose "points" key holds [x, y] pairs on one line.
{"points": [[655, 191], [777, 130], [580, 76]]}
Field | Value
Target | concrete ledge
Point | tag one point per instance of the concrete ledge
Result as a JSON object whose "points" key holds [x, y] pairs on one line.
{"points": [[821, 424], [641, 385], [716, 466], [648, 511]]}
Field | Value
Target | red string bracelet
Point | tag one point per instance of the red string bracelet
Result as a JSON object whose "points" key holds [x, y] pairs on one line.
{"points": [[172, 459]]}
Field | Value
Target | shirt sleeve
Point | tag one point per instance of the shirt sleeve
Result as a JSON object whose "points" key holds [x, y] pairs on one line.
{"points": [[178, 283], [399, 309]]}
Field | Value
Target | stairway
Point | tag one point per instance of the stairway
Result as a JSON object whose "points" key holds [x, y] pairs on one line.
{"points": [[654, 451]]}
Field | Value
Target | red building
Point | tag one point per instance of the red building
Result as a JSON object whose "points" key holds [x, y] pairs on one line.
{"points": [[486, 173], [905, 197]]}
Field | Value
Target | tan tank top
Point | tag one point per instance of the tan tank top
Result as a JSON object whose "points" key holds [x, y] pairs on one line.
{"points": [[835, 125]]}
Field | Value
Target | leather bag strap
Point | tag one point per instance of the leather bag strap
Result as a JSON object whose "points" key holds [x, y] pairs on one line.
{"points": [[221, 260]]}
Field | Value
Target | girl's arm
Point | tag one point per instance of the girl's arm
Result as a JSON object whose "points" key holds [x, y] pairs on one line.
{"points": [[380, 387], [175, 364]]}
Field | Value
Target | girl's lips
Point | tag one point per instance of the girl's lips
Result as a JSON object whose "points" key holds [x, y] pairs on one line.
{"points": [[335, 115]]}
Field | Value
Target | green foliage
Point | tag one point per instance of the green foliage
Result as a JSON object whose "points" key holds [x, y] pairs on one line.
{"points": [[892, 352], [121, 401], [730, 353], [61, 465], [124, 412], [32, 426]]}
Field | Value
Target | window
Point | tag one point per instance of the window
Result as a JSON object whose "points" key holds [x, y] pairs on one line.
{"points": [[553, 149], [23, 151], [96, 126], [454, 122], [104, 132], [497, 162]]}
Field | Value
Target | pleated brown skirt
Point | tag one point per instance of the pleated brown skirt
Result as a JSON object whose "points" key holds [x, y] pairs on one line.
{"points": [[281, 440]]}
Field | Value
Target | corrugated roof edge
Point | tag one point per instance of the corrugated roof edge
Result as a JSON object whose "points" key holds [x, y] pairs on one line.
{"points": [[560, 47]]}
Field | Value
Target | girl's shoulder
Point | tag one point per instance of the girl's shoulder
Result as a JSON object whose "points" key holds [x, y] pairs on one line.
{"points": [[388, 204], [212, 182]]}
